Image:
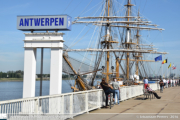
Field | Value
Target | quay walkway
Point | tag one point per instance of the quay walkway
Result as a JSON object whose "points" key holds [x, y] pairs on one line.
{"points": [[77, 104], [168, 107]]}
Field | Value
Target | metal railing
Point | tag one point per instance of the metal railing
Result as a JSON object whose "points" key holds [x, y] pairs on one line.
{"points": [[69, 104]]}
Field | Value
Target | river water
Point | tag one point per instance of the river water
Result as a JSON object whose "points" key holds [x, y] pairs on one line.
{"points": [[14, 90]]}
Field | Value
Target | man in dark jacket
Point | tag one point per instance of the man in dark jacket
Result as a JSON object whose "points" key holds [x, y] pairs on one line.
{"points": [[107, 89]]}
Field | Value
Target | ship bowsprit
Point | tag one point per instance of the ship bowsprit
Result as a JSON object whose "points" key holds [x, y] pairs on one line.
{"points": [[78, 69]]}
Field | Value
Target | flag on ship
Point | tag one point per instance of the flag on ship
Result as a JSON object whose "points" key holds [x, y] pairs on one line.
{"points": [[165, 61], [159, 58], [169, 66], [173, 67]]}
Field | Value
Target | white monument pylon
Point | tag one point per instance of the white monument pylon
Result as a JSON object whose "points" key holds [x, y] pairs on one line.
{"points": [[42, 40]]}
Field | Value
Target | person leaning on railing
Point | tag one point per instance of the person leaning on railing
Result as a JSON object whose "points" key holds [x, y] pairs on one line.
{"points": [[153, 92], [107, 89], [161, 83], [176, 83], [164, 81], [173, 81], [169, 83], [117, 90]]}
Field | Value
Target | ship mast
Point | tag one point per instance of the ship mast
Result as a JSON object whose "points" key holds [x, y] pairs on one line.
{"points": [[108, 39], [117, 68], [137, 59], [128, 22], [128, 39]]}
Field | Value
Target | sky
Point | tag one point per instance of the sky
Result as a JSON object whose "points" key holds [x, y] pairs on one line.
{"points": [[162, 12]]}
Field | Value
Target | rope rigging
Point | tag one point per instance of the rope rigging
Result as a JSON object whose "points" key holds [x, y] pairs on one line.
{"points": [[106, 37]]}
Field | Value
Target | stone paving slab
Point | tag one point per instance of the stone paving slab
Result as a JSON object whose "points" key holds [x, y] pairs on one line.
{"points": [[168, 107]]}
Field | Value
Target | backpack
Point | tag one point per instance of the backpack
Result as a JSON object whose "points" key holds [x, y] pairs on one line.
{"points": [[161, 83]]}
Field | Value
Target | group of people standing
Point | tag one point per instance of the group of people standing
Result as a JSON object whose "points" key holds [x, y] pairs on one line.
{"points": [[115, 89], [165, 83], [171, 82]]}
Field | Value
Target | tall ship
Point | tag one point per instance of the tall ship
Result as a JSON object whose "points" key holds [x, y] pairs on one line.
{"points": [[116, 48]]}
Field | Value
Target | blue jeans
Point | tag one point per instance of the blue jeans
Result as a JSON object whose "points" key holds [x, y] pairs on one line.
{"points": [[107, 92], [116, 94], [164, 84], [161, 88]]}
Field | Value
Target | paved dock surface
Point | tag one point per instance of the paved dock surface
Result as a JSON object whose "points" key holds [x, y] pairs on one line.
{"points": [[168, 108]]}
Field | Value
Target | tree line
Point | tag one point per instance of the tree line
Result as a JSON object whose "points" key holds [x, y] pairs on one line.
{"points": [[20, 74], [12, 74]]}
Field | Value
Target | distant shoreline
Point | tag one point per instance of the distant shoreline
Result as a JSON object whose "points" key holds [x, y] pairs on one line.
{"points": [[21, 79]]}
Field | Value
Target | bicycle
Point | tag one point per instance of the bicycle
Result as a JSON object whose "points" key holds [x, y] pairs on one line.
{"points": [[111, 102], [161, 89]]}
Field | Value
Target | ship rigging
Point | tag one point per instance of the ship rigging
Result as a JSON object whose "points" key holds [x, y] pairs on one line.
{"points": [[119, 48]]}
